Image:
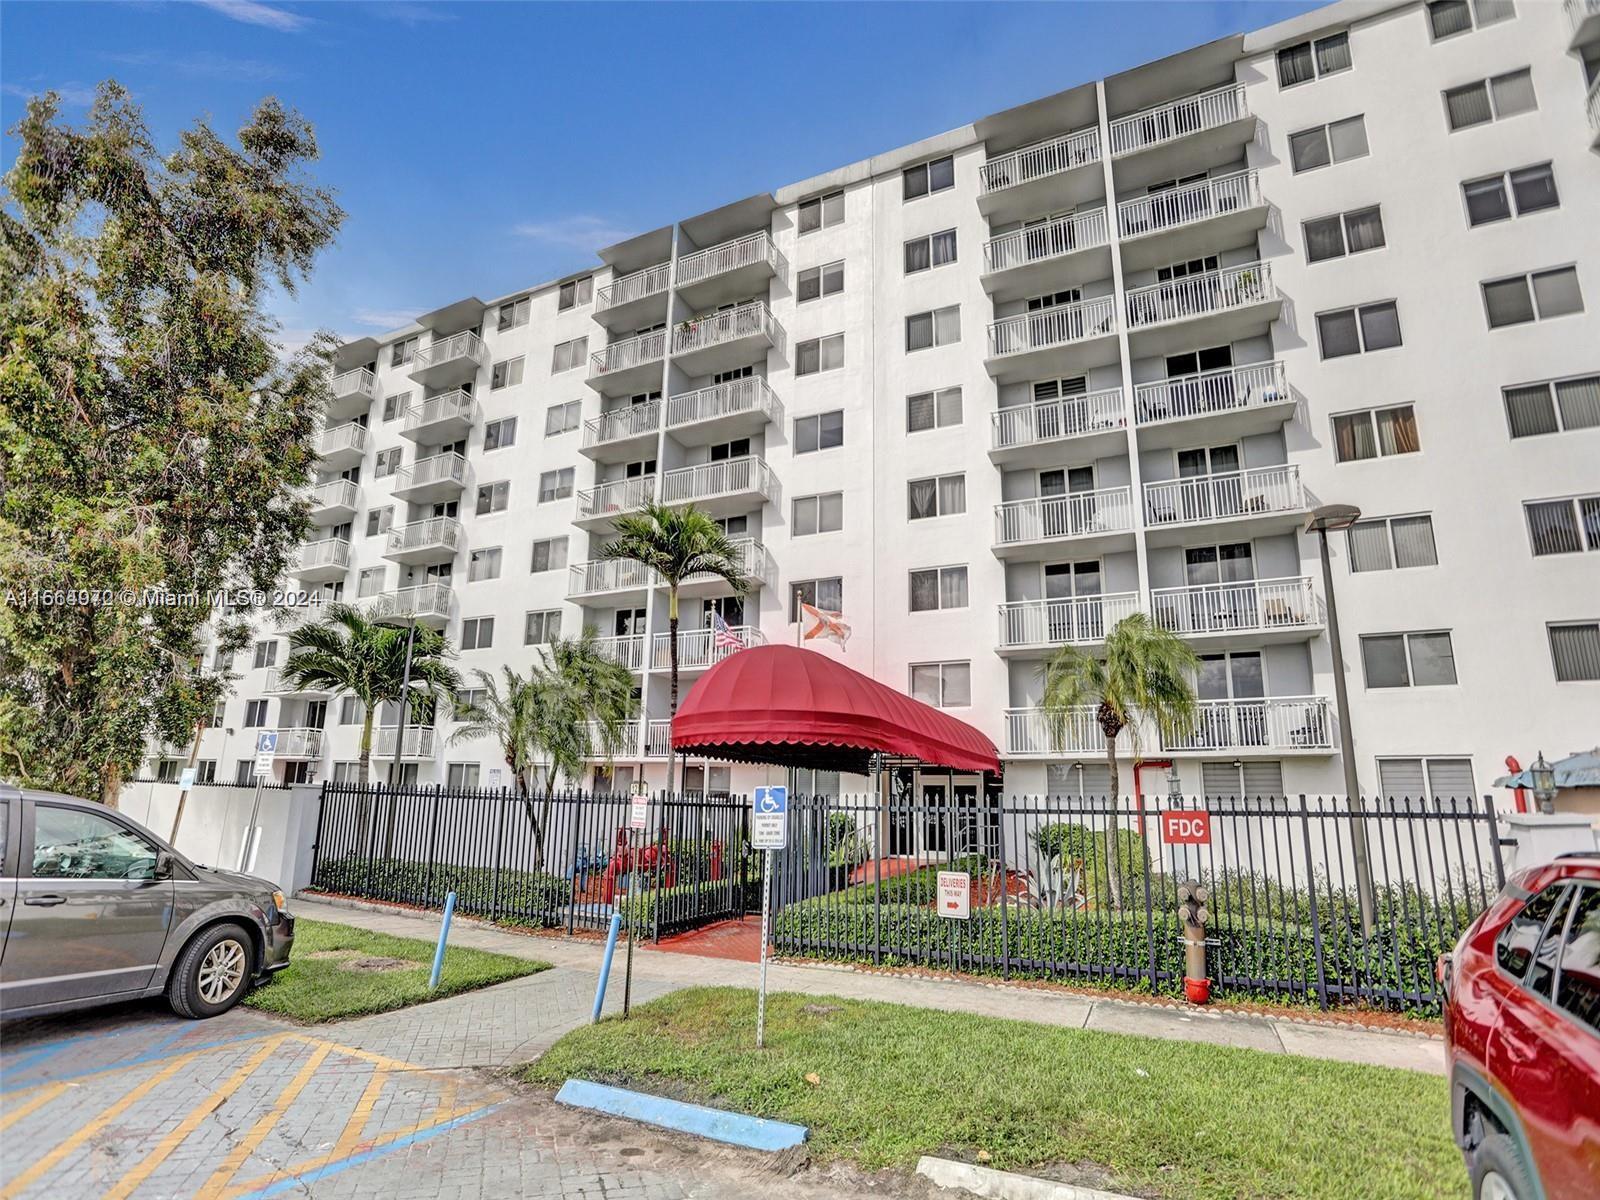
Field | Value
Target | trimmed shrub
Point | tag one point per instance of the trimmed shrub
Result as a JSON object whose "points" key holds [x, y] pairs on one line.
{"points": [[1065, 843], [533, 896], [920, 886]]}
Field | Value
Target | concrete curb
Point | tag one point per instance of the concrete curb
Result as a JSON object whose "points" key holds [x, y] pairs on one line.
{"points": [[736, 1129], [1004, 1185]]}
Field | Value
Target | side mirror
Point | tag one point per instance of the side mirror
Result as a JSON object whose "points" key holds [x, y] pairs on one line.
{"points": [[163, 866]]}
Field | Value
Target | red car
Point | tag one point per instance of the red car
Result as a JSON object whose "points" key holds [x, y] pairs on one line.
{"points": [[1522, 1026]]}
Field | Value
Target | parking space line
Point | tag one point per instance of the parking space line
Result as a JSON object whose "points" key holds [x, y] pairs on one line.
{"points": [[224, 1174], [141, 1060], [42, 1050], [40, 1098], [389, 1064], [349, 1137]]}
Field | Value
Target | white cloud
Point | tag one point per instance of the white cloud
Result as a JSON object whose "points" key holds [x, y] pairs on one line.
{"points": [[582, 232], [73, 95], [406, 13], [202, 64], [253, 12]]}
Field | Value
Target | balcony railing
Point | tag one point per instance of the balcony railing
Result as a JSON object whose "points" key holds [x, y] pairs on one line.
{"points": [[458, 345], [299, 743], [1249, 493], [1230, 389], [658, 739], [630, 421], [442, 532], [419, 741], [1185, 205], [1200, 295], [618, 496], [627, 650], [1108, 510], [1051, 239], [1035, 732], [1179, 118], [359, 382], [1249, 605], [436, 468], [747, 251], [1053, 327], [1594, 105], [724, 400], [454, 407], [625, 289], [1274, 723], [1040, 160], [336, 493], [748, 320], [278, 685], [330, 552], [607, 575], [753, 560], [629, 352], [729, 477], [627, 743], [698, 649], [1051, 420], [349, 438], [425, 601], [1066, 621]]}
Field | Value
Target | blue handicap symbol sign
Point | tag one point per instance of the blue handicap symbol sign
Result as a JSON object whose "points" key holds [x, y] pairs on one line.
{"points": [[772, 799]]}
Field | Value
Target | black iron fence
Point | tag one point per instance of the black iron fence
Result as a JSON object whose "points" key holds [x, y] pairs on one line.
{"points": [[1070, 888], [566, 859]]}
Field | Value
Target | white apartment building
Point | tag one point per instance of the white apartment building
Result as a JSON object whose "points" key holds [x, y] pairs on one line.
{"points": [[988, 393]]}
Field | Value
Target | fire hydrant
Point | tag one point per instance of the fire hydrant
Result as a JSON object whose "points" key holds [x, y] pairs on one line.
{"points": [[1192, 899]]}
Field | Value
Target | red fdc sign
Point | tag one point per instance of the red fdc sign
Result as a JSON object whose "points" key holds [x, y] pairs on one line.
{"points": [[1184, 827]]}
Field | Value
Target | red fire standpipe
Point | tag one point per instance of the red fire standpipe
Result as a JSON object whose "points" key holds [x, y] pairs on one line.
{"points": [[1521, 793]]}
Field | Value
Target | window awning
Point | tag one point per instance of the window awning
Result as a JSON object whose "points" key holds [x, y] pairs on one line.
{"points": [[797, 708]]}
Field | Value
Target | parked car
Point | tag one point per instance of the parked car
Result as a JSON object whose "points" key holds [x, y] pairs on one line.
{"points": [[1522, 1027], [95, 908]]}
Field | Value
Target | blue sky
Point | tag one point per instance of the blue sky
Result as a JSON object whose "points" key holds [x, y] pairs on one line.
{"points": [[482, 147]]}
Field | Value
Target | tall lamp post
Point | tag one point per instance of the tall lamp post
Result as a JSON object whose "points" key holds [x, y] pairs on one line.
{"points": [[1320, 521]]}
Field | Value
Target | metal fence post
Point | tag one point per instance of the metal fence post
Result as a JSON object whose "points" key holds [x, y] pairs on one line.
{"points": [[575, 798], [1149, 908], [1494, 841], [316, 843], [433, 840], [371, 832], [499, 845], [1005, 932], [1311, 890], [655, 882]]}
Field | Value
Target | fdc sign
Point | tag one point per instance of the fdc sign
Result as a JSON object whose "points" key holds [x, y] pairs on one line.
{"points": [[1182, 827]]}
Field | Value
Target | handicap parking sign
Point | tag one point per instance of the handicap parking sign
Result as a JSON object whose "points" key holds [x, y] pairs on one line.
{"points": [[769, 818]]}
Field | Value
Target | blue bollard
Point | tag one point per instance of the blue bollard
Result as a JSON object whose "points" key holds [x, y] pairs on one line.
{"points": [[605, 965], [444, 932]]}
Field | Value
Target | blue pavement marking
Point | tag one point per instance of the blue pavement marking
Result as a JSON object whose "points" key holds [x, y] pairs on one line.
{"points": [[757, 1133], [43, 1050], [147, 1057]]}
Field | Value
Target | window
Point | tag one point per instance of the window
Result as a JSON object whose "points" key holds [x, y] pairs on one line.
{"points": [[1575, 650], [483, 564], [71, 843], [255, 714], [541, 627], [1312, 60], [938, 328], [497, 435], [477, 633], [1392, 543], [1375, 433], [823, 513], [512, 314], [821, 432], [826, 594], [266, 654], [568, 355], [1514, 948], [379, 520], [1336, 142], [1419, 780], [1491, 99], [1578, 962], [943, 685], [467, 699], [1251, 782], [206, 771], [394, 405], [1568, 526], [167, 770], [1536, 296], [351, 711], [549, 554], [933, 410], [575, 292], [1446, 18], [492, 497], [941, 496], [1359, 330], [1397, 660], [505, 374], [562, 418], [219, 713], [928, 177], [1490, 199], [461, 776], [386, 463], [1344, 233], [369, 582], [820, 281], [555, 485], [1561, 405], [402, 352], [819, 354], [935, 250], [938, 587], [821, 212]]}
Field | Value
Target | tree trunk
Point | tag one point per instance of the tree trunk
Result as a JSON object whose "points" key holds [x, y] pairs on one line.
{"points": [[183, 796], [1111, 823], [110, 785]]}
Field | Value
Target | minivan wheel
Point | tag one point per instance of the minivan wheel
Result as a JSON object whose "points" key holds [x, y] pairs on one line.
{"points": [[212, 974], [1498, 1172]]}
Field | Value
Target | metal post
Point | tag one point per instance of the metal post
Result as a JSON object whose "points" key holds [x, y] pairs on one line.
{"points": [[444, 932], [250, 829], [605, 967], [766, 919], [633, 917], [1311, 890]]}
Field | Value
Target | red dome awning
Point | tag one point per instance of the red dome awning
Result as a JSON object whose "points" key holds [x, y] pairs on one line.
{"points": [[797, 708]]}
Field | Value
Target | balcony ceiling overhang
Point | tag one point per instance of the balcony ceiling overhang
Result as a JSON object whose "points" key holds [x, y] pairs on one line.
{"points": [[1174, 77], [640, 251], [728, 222], [353, 354], [453, 318], [1038, 120]]}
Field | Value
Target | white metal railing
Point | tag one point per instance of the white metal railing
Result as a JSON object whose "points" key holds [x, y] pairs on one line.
{"points": [[329, 552], [1063, 417], [753, 560], [618, 496], [658, 740], [1185, 205], [1039, 160], [299, 743], [436, 468], [1200, 295], [724, 400], [1251, 492], [1272, 723], [1594, 105], [607, 575], [420, 741], [627, 744], [443, 350], [727, 477], [1053, 327], [336, 493], [1039, 731], [754, 319], [1067, 620], [349, 436], [625, 288], [359, 382], [629, 352], [1049, 239], [1178, 118], [627, 649], [746, 251], [1040, 518], [278, 685], [697, 648], [1247, 604], [422, 601], [443, 532], [447, 406], [631, 420], [1228, 389]]}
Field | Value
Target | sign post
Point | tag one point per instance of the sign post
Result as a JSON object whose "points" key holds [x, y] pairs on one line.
{"points": [[266, 748], [769, 831], [638, 822]]}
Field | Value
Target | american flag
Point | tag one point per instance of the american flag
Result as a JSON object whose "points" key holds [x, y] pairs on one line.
{"points": [[722, 637]]}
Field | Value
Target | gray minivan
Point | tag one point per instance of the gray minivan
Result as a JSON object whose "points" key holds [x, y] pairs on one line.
{"points": [[95, 908]]}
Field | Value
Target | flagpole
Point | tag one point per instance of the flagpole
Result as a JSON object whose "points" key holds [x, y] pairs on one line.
{"points": [[799, 617]]}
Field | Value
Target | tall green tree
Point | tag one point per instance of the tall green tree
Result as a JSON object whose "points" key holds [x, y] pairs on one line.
{"points": [[154, 438]]}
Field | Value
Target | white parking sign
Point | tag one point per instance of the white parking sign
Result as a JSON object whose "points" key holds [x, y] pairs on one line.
{"points": [[266, 747], [769, 818]]}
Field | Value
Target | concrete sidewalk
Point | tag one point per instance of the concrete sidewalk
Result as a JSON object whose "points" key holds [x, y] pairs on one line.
{"points": [[545, 1006]]}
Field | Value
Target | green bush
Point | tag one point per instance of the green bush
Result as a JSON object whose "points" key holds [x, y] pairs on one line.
{"points": [[920, 886], [535, 896], [680, 901], [846, 847]]}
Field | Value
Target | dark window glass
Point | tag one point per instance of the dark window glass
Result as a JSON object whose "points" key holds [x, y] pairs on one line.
{"points": [[1578, 987], [1513, 950]]}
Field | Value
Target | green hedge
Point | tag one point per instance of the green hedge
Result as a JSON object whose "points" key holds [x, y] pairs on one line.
{"points": [[920, 886], [530, 895], [680, 899]]}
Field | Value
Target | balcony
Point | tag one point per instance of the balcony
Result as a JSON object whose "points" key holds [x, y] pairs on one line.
{"points": [[434, 540], [629, 301], [629, 366], [1061, 341], [755, 568], [428, 480], [1036, 628], [1286, 724], [299, 743], [417, 742], [440, 420], [601, 503], [1064, 252], [427, 604], [628, 650], [1206, 309], [1034, 529], [723, 340], [342, 446], [733, 485], [627, 746], [1027, 179], [278, 685], [326, 561], [1185, 222], [738, 408], [618, 582], [1584, 17], [697, 648], [1233, 402], [1181, 136], [658, 739], [333, 502], [623, 434], [729, 271], [1043, 733], [449, 362], [1031, 435], [1252, 502], [1266, 610], [351, 394]]}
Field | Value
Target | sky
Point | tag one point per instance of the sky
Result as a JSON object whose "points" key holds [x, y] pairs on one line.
{"points": [[478, 148]]}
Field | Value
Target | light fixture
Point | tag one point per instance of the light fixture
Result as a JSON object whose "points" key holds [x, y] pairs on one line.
{"points": [[1174, 786], [1544, 784]]}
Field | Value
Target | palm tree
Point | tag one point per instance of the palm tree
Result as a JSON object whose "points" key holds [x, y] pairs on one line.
{"points": [[1146, 673]]}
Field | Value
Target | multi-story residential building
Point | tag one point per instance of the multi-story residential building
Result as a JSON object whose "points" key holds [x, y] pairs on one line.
{"points": [[988, 393]]}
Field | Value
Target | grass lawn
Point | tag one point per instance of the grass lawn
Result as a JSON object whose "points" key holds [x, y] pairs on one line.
{"points": [[883, 1084], [338, 971]]}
